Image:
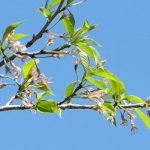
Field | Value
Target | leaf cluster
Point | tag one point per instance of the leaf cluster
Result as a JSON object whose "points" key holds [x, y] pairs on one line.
{"points": [[98, 84]]}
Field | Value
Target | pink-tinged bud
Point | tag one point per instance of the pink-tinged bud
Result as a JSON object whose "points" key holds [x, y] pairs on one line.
{"points": [[134, 128], [77, 62], [1, 76], [123, 120], [21, 56], [2, 85], [72, 52], [64, 36], [43, 79], [16, 70], [58, 55], [148, 100], [51, 38], [111, 118]]}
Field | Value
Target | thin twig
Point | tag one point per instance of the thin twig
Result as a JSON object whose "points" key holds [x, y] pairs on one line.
{"points": [[15, 107], [33, 54], [45, 52], [38, 35], [44, 29], [11, 100], [72, 95], [80, 86]]}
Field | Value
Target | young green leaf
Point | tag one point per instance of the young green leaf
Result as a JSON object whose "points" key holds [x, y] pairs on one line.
{"points": [[10, 29], [45, 89], [144, 117], [80, 32], [47, 4], [69, 2], [72, 19], [133, 98], [70, 89], [54, 3], [88, 41], [109, 107], [116, 85], [85, 61], [45, 12], [48, 106], [28, 67], [40, 96], [99, 83], [19, 36], [68, 26], [88, 26], [91, 51]]}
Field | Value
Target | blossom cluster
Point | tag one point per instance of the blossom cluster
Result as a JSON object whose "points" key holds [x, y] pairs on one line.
{"points": [[15, 45]]}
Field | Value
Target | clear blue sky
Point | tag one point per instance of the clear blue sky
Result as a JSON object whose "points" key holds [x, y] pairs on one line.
{"points": [[124, 33]]}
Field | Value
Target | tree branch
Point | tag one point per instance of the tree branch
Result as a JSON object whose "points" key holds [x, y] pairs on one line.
{"points": [[15, 107], [95, 107], [11, 100], [43, 30], [38, 35], [70, 106], [45, 52], [32, 54]]}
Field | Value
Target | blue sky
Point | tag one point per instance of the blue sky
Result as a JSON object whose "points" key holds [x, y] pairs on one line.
{"points": [[124, 34]]}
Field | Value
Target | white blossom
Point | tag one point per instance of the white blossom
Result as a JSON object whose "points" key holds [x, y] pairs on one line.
{"points": [[96, 96], [15, 45]]}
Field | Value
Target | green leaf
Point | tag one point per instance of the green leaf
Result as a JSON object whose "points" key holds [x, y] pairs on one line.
{"points": [[69, 2], [116, 85], [88, 26], [87, 49], [54, 3], [109, 107], [28, 67], [68, 26], [19, 36], [48, 106], [144, 117], [47, 4], [10, 29], [40, 96], [91, 51], [80, 32], [72, 19], [99, 83], [84, 60], [45, 12], [88, 41], [45, 88], [133, 98], [70, 89]]}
